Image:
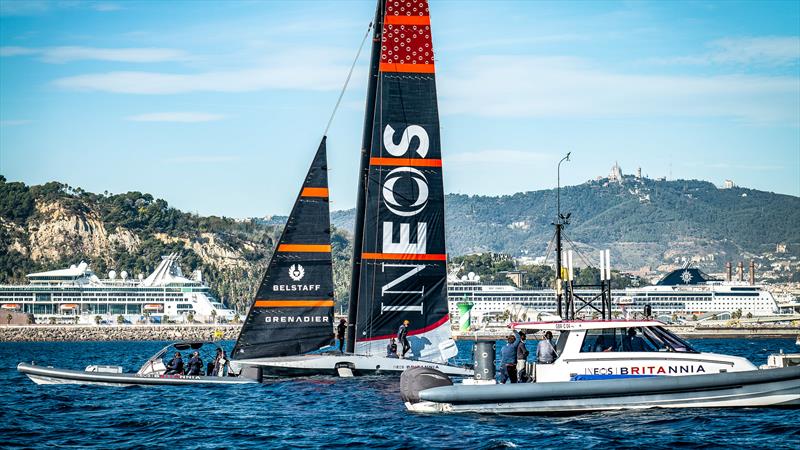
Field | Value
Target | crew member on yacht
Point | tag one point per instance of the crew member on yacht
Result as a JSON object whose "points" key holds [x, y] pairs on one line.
{"points": [[545, 353], [391, 349], [402, 336], [175, 365], [508, 359], [341, 330]]}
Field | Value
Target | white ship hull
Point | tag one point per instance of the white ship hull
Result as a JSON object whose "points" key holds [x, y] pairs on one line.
{"points": [[343, 365]]}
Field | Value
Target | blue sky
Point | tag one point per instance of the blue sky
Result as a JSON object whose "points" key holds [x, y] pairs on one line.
{"points": [[219, 106]]}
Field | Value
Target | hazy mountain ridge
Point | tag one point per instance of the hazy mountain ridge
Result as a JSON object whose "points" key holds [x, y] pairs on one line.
{"points": [[642, 221]]}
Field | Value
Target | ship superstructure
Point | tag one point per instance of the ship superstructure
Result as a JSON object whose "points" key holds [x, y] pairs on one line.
{"points": [[77, 293], [683, 291]]}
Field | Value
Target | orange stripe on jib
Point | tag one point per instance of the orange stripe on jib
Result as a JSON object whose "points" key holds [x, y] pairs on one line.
{"points": [[304, 248], [407, 20], [314, 192], [406, 256], [412, 162], [292, 303], [407, 68]]}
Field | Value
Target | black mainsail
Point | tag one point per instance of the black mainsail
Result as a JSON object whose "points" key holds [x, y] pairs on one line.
{"points": [[400, 260], [292, 312]]}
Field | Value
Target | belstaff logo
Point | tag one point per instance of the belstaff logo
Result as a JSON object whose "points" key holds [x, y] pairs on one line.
{"points": [[296, 272]]}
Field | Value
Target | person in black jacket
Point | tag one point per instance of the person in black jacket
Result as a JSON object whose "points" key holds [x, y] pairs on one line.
{"points": [[522, 359], [195, 366], [402, 336], [175, 365], [341, 332]]}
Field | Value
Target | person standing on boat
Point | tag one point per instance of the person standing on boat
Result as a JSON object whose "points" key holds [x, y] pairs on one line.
{"points": [[402, 336], [632, 342], [545, 353], [522, 359], [175, 365], [341, 331], [220, 362], [508, 359]]}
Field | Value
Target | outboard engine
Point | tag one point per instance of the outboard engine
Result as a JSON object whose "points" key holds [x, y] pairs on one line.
{"points": [[417, 379]]}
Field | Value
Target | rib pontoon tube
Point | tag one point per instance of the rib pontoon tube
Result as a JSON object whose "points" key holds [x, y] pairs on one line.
{"points": [[773, 387], [50, 375]]}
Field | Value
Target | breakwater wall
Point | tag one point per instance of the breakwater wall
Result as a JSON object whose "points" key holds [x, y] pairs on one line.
{"points": [[44, 333]]}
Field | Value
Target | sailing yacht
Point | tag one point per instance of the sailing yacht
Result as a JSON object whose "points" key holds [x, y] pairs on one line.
{"points": [[399, 261]]}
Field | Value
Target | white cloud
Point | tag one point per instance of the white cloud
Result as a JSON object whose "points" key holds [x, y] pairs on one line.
{"points": [[312, 69], [498, 157], [13, 123], [60, 55], [514, 86], [767, 51], [17, 51], [183, 117], [106, 7], [202, 159]]}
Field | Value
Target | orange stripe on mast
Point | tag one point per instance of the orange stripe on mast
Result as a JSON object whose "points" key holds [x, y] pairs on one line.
{"points": [[314, 192], [406, 256], [407, 20], [305, 248], [407, 68], [292, 303], [412, 162]]}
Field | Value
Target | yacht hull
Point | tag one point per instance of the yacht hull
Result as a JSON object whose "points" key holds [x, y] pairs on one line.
{"points": [[337, 364], [771, 387], [50, 375]]}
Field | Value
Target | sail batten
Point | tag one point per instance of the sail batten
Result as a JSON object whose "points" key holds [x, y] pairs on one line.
{"points": [[292, 310], [400, 260]]}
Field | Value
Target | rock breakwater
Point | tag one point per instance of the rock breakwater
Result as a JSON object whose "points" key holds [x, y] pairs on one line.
{"points": [[44, 333]]}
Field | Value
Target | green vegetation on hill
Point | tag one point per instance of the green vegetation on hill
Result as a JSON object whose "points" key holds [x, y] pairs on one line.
{"points": [[642, 221]]}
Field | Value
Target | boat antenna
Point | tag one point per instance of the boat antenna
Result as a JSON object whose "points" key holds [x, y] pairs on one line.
{"points": [[347, 80]]}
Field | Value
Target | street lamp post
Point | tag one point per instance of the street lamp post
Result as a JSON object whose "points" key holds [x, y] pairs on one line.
{"points": [[560, 222]]}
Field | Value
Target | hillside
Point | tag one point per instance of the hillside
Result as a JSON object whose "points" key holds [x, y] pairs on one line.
{"points": [[54, 225], [642, 221]]}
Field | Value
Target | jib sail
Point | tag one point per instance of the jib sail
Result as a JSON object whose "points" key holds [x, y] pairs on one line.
{"points": [[401, 262], [292, 312]]}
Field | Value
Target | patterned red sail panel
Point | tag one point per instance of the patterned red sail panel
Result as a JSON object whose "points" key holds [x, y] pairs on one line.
{"points": [[406, 38]]}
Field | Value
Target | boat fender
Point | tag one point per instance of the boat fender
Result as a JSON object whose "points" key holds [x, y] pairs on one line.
{"points": [[416, 379]]}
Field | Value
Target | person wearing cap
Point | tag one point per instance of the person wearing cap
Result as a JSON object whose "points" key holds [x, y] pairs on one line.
{"points": [[508, 359], [175, 365], [402, 336]]}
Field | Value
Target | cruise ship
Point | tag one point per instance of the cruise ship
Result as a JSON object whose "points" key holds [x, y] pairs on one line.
{"points": [[687, 291], [77, 294]]}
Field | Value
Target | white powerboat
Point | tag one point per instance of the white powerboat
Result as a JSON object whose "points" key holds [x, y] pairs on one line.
{"points": [[153, 372], [609, 365]]}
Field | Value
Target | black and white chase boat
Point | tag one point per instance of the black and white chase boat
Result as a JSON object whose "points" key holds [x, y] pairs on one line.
{"points": [[399, 261], [153, 372], [610, 365]]}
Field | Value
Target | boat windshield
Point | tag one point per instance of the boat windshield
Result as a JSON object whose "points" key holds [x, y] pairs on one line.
{"points": [[669, 340], [633, 339]]}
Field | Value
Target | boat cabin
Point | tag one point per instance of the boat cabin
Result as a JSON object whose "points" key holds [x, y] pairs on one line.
{"points": [[589, 350]]}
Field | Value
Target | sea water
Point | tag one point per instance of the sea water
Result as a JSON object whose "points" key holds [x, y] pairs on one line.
{"points": [[317, 412]]}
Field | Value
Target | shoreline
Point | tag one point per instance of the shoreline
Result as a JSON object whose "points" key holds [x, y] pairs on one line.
{"points": [[73, 333], [214, 332]]}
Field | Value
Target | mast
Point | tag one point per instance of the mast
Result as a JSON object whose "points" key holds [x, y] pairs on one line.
{"points": [[363, 174]]}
